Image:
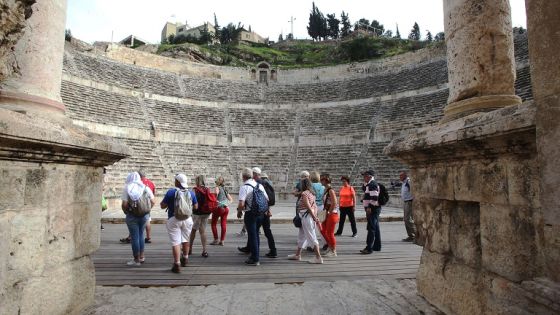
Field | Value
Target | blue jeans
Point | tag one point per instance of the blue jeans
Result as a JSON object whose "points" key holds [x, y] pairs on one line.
{"points": [[253, 222], [373, 240], [136, 227]]}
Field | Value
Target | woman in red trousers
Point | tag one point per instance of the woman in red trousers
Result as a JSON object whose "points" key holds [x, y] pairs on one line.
{"points": [[331, 208]]}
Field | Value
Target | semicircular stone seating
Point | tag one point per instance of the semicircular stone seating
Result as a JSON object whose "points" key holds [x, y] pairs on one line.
{"points": [[176, 123]]}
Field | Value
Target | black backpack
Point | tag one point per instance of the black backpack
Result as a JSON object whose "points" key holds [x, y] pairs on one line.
{"points": [[270, 192], [383, 197]]}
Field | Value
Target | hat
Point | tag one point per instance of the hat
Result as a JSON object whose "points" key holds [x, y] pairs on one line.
{"points": [[263, 175], [368, 172], [183, 180], [257, 170]]}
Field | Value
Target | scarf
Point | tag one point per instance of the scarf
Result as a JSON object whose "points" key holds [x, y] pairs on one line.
{"points": [[134, 186]]}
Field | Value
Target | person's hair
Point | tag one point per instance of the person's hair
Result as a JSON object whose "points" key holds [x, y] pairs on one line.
{"points": [[220, 181], [346, 178], [142, 173], [315, 177], [200, 180], [304, 174], [247, 173], [306, 185], [400, 172], [327, 179]]}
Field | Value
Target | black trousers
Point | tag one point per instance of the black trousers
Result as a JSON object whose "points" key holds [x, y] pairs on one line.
{"points": [[268, 234], [346, 211]]}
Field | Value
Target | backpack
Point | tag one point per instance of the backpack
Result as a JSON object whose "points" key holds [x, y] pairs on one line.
{"points": [[259, 202], [207, 201], [383, 197], [140, 207], [270, 192], [183, 204]]}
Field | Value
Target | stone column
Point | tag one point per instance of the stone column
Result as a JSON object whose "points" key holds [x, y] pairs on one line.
{"points": [[544, 45], [39, 55], [480, 57]]}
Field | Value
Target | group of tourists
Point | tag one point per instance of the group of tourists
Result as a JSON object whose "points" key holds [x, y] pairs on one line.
{"points": [[318, 211]]}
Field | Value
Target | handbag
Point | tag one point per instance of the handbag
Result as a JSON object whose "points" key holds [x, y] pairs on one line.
{"points": [[297, 220]]}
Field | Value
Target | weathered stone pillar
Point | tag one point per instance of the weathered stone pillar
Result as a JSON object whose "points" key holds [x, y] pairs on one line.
{"points": [[50, 173], [544, 46], [480, 57], [39, 54]]}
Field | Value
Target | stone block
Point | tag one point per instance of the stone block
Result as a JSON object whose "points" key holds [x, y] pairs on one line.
{"points": [[493, 182], [467, 185], [551, 251], [434, 222], [435, 181], [464, 232], [66, 289], [12, 181], [523, 182], [508, 241], [450, 286]]}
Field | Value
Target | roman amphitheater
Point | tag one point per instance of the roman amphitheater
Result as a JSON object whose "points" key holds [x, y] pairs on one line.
{"points": [[475, 122]]}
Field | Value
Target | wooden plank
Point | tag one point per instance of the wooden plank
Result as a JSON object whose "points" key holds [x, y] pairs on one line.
{"points": [[397, 260]]}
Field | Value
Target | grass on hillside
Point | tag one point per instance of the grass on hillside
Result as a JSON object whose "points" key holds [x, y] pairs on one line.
{"points": [[302, 53]]}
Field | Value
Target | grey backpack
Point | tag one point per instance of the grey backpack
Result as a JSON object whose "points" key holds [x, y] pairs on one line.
{"points": [[140, 207], [183, 204]]}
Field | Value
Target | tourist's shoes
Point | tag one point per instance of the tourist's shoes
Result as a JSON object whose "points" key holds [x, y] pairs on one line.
{"points": [[133, 263], [205, 254], [338, 234], [241, 233], [408, 239], [324, 252], [221, 243], [176, 268], [102, 227], [215, 242], [147, 240], [271, 255], [142, 260], [125, 240], [326, 246], [354, 235], [330, 253], [184, 261], [316, 260], [294, 257], [244, 250], [251, 262], [366, 251]]}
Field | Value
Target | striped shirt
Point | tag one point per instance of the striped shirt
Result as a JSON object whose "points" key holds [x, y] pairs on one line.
{"points": [[371, 193]]}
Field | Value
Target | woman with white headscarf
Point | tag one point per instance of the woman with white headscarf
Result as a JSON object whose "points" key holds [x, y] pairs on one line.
{"points": [[133, 190]]}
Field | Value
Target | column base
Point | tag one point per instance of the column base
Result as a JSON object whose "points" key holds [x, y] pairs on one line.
{"points": [[26, 103], [477, 104]]}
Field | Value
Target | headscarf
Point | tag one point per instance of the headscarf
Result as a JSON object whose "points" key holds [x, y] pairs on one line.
{"points": [[134, 186]]}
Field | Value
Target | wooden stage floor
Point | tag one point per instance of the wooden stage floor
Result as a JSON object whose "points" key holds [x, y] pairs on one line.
{"points": [[397, 260]]}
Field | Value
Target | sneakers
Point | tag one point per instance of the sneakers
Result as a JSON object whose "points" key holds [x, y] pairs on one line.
{"points": [[133, 263], [176, 268], [125, 240], [366, 251], [271, 255], [316, 260], [251, 262], [330, 253], [215, 242], [294, 257], [221, 243], [184, 261], [354, 234], [408, 239], [148, 240]]}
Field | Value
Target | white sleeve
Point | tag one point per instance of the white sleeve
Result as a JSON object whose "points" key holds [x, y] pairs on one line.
{"points": [[243, 193]]}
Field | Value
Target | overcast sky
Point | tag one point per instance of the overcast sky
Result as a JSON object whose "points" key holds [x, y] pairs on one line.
{"points": [[96, 20]]}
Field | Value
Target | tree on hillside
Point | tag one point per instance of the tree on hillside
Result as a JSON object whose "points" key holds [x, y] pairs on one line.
{"points": [[317, 27], [362, 24], [333, 26], [440, 37], [346, 26], [377, 28], [429, 37], [398, 34], [230, 33], [280, 37], [217, 28], [388, 34], [205, 35], [415, 32]]}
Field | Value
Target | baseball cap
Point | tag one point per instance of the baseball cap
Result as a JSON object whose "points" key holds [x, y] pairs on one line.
{"points": [[256, 170], [183, 180], [368, 172]]}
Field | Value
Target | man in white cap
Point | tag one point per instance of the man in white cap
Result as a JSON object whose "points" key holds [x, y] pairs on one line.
{"points": [[178, 230]]}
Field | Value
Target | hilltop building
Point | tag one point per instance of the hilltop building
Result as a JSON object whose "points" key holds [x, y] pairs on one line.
{"points": [[177, 29]]}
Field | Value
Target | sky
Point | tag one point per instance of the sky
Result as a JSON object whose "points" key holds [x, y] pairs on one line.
{"points": [[103, 20]]}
